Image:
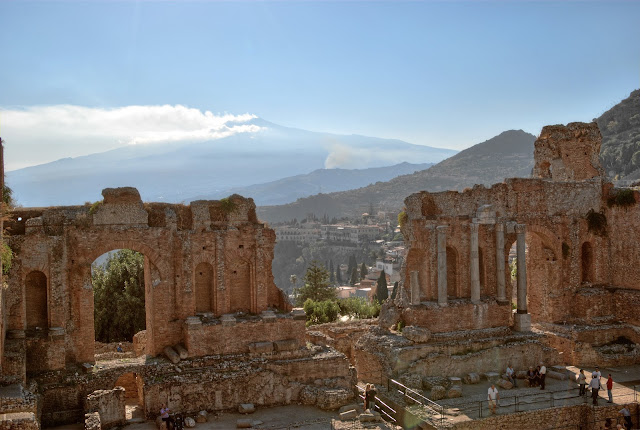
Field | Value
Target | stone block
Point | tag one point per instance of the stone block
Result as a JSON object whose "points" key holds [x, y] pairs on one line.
{"points": [[521, 374], [332, 398], [171, 354], [438, 392], [299, 314], [228, 320], [504, 384], [454, 380], [161, 425], [522, 322], [244, 423], [491, 376], [201, 417], [92, 421], [189, 422], [556, 375], [182, 351], [357, 406], [285, 345], [471, 378], [268, 316], [349, 415], [416, 334], [261, 347], [455, 391], [109, 404], [246, 408]]}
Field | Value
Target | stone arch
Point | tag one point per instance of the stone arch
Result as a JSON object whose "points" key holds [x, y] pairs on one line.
{"points": [[452, 272], [146, 250], [36, 300], [587, 261], [204, 291]]}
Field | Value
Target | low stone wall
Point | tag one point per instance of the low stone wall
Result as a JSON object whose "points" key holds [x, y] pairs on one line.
{"points": [[585, 416], [110, 405], [236, 337], [457, 315], [340, 335]]}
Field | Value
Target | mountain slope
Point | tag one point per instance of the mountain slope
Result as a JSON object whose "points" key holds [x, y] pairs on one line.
{"points": [[509, 154], [289, 189], [620, 128], [175, 172]]}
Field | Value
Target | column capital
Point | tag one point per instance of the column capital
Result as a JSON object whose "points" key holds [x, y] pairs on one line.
{"points": [[521, 228], [499, 226], [474, 227], [442, 228]]}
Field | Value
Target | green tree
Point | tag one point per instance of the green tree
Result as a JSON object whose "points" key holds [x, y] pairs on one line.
{"points": [[353, 264], [394, 293], [338, 276], [294, 281], [321, 312], [316, 285], [363, 271], [382, 293], [332, 276], [354, 276], [118, 289]]}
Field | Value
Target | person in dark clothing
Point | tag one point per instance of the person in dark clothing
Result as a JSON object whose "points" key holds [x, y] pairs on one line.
{"points": [[532, 378], [370, 397]]}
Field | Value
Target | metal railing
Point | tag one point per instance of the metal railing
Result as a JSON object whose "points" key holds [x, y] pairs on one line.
{"points": [[386, 411], [411, 394]]}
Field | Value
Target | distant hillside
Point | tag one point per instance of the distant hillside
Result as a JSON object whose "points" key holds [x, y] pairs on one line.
{"points": [[175, 172], [290, 189], [507, 155], [620, 128]]}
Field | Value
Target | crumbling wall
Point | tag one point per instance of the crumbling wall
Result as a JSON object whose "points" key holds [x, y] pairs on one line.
{"points": [[110, 405], [60, 244]]}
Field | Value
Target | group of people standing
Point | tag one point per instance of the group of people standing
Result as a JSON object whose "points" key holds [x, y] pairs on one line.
{"points": [[595, 385]]}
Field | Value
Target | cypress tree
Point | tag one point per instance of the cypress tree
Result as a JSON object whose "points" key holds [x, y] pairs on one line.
{"points": [[382, 293], [363, 271], [354, 276]]}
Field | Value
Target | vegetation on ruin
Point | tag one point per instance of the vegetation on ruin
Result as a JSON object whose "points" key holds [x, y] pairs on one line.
{"points": [[359, 307], [228, 206], [6, 254], [321, 312], [327, 311], [624, 197], [402, 218], [597, 222], [94, 207], [118, 288]]}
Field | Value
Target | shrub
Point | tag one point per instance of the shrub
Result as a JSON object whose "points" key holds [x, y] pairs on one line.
{"points": [[321, 312], [402, 218], [358, 307], [597, 222], [621, 197]]}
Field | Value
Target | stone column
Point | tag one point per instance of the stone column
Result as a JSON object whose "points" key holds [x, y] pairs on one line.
{"points": [[502, 297], [415, 288], [442, 264], [522, 318], [475, 264]]}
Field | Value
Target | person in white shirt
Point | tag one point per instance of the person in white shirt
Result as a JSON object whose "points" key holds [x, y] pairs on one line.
{"points": [[493, 397], [595, 387], [511, 375], [543, 375], [627, 416]]}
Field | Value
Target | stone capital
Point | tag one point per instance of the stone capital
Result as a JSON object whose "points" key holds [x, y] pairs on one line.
{"points": [[474, 227], [500, 227], [442, 229], [521, 228]]}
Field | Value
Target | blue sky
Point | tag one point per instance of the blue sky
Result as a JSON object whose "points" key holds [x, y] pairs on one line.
{"points": [[446, 73]]}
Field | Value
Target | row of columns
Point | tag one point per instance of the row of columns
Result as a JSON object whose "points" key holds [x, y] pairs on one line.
{"points": [[441, 232]]}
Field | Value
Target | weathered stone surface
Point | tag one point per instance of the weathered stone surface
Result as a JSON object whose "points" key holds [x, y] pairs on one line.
{"points": [[201, 417], [244, 423], [286, 345], [471, 378], [556, 375], [330, 399], [349, 415], [438, 392], [521, 374], [246, 408], [504, 384], [417, 334], [109, 404], [182, 351], [261, 347], [161, 425], [412, 380], [92, 421], [491, 376], [389, 315], [189, 422], [455, 391], [368, 417], [171, 354], [454, 380]]}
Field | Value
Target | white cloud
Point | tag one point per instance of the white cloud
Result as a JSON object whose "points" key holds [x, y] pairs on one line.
{"points": [[36, 135]]}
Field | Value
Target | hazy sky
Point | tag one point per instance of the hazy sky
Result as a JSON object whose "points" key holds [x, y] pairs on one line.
{"points": [[446, 73]]}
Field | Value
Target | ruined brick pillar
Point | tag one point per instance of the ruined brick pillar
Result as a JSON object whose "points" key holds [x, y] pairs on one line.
{"points": [[500, 262], [442, 264], [415, 288], [522, 317], [475, 264]]}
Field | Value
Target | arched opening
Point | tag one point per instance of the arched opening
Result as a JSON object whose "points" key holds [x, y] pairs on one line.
{"points": [[118, 280], [134, 395], [240, 294], [37, 315], [587, 262], [452, 272], [205, 295]]}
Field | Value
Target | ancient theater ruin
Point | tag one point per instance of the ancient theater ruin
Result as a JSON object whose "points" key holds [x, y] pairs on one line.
{"points": [[211, 307]]}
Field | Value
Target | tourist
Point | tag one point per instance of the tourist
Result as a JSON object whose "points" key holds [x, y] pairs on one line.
{"points": [[492, 398], [597, 373], [164, 414], [609, 388], [511, 375], [582, 382], [542, 370], [595, 387], [627, 416], [119, 347], [532, 378], [370, 397]]}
